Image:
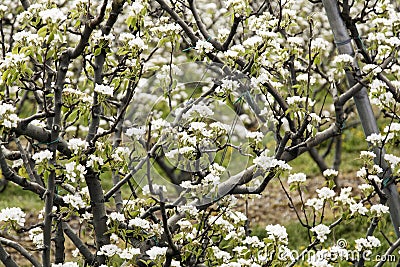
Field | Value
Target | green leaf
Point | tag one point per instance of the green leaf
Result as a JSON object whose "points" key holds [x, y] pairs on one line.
{"points": [[42, 32], [97, 52]]}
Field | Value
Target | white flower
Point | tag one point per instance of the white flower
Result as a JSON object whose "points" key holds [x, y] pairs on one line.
{"points": [[104, 89], [135, 133], [267, 163], [155, 251], [319, 44], [297, 178], [375, 69], [138, 43], [227, 85], [55, 15], [365, 187], [175, 263], [36, 235], [72, 170], [321, 231], [330, 173], [211, 179], [13, 61], [315, 203], [139, 222], [14, 214], [325, 193], [120, 153], [379, 209], [358, 208], [17, 163], [252, 42], [198, 111], [304, 78], [128, 253], [75, 201], [367, 154], [77, 145], [392, 159], [116, 216], [375, 139], [394, 127], [160, 124], [319, 259], [295, 40], [216, 169], [94, 159], [293, 100], [362, 173], [344, 196], [42, 155], [109, 250], [367, 243], [254, 241], [376, 169], [277, 233], [204, 46], [220, 254], [257, 137], [135, 8], [343, 58]]}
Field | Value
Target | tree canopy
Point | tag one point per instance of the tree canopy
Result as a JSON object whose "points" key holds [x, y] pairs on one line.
{"points": [[143, 121]]}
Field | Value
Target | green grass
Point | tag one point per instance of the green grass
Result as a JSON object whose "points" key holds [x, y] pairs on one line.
{"points": [[15, 196]]}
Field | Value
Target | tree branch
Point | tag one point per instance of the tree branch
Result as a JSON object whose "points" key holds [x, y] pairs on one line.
{"points": [[21, 250]]}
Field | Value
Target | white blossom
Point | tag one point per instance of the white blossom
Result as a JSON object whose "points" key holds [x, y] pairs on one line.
{"points": [[297, 178], [54, 15], [325, 193], [75, 201], [14, 214], [358, 208], [277, 233], [321, 231], [375, 139], [204, 46], [267, 163], [135, 132], [315, 203], [42, 155], [77, 145], [343, 58], [116, 216], [344, 196], [330, 173], [128, 253], [392, 159], [155, 251], [139, 222], [104, 89], [367, 154], [220, 254], [319, 259], [367, 243], [379, 209], [36, 235], [109, 250]]}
